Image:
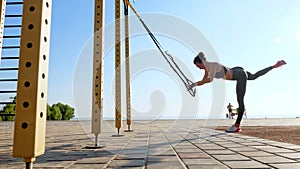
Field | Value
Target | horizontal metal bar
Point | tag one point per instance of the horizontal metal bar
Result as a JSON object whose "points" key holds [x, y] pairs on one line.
{"points": [[5, 69], [12, 26], [12, 36], [12, 91], [10, 47], [10, 57], [13, 16], [8, 80], [7, 103], [2, 114], [14, 3]]}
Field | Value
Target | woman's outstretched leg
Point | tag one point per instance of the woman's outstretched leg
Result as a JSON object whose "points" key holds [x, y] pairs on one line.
{"points": [[265, 70], [259, 73]]}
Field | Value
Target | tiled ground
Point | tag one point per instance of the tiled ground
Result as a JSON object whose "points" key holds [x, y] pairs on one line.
{"points": [[154, 144]]}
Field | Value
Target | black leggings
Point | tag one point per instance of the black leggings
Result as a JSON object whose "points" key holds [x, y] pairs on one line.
{"points": [[241, 76]]}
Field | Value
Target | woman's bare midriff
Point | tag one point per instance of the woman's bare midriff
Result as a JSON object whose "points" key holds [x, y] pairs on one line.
{"points": [[228, 75]]}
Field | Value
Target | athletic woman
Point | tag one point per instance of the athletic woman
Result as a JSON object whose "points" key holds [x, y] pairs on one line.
{"points": [[216, 70]]}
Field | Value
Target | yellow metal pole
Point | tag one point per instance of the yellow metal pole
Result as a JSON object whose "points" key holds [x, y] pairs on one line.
{"points": [[2, 17], [127, 59], [31, 101], [97, 98], [118, 65], [132, 8]]}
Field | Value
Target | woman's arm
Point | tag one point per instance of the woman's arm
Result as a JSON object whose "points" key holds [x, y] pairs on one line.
{"points": [[210, 72], [204, 80]]}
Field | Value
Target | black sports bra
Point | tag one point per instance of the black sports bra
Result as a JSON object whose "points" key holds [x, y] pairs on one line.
{"points": [[221, 73]]}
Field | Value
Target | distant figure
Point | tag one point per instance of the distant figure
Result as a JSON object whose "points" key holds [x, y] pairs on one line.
{"points": [[229, 107], [217, 70]]}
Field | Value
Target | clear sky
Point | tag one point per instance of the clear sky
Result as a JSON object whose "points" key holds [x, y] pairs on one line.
{"points": [[253, 34]]}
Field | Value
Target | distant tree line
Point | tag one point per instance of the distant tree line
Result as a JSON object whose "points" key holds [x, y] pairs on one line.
{"points": [[60, 111], [7, 109], [57, 111]]}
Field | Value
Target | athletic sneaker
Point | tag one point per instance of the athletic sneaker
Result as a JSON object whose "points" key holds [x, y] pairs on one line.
{"points": [[279, 63], [233, 129]]}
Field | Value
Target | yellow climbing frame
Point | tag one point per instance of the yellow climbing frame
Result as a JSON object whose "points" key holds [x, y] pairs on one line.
{"points": [[2, 17], [31, 100]]}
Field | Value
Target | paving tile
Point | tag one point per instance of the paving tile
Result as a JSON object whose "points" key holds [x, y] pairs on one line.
{"points": [[127, 163], [231, 157], [207, 166], [216, 139], [13, 166], [287, 146], [290, 155], [210, 147], [219, 152], [184, 146], [134, 151], [230, 144], [273, 159], [246, 164], [131, 156], [7, 158], [231, 137], [160, 152], [89, 166], [198, 141], [100, 153], [94, 160], [205, 161], [273, 149], [66, 158], [242, 149], [188, 150], [162, 158], [193, 155], [260, 140], [164, 165], [126, 168], [252, 144], [141, 147], [54, 164], [287, 166], [267, 142], [255, 153]]}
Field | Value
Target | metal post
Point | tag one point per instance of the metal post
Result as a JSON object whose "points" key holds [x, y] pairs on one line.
{"points": [[118, 65], [127, 59], [29, 165], [2, 17], [31, 100], [97, 98]]}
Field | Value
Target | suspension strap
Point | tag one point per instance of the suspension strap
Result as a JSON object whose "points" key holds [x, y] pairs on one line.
{"points": [[164, 53]]}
